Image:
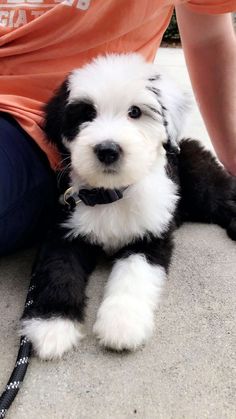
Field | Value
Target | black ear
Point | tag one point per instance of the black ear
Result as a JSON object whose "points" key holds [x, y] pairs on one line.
{"points": [[54, 115]]}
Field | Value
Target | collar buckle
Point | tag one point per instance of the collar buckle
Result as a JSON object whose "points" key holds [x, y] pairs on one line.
{"points": [[69, 198]]}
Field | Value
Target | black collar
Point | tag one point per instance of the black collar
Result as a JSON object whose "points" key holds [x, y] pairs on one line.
{"points": [[91, 197]]}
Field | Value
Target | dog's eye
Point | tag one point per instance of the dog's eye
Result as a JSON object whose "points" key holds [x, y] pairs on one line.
{"points": [[134, 112]]}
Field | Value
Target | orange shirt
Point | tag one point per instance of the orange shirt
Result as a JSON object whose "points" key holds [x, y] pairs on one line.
{"points": [[42, 40]]}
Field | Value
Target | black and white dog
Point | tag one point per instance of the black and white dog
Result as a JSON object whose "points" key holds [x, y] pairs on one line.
{"points": [[131, 181]]}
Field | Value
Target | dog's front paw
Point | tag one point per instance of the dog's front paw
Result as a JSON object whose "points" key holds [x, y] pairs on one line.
{"points": [[123, 323], [52, 337]]}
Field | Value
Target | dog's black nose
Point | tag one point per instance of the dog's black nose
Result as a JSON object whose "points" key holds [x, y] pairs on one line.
{"points": [[107, 152]]}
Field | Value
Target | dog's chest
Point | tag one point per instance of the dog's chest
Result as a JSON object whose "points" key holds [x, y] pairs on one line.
{"points": [[145, 207]]}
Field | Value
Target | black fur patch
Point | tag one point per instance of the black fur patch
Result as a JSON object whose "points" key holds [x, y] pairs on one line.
{"points": [[62, 119], [76, 113], [54, 116], [60, 277], [208, 192]]}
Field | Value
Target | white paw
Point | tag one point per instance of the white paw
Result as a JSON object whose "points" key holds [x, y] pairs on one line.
{"points": [[123, 323], [51, 338]]}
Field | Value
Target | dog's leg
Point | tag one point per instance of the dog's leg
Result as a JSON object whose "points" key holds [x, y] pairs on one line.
{"points": [[125, 319], [53, 323], [208, 192]]}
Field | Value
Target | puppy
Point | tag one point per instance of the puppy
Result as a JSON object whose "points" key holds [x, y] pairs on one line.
{"points": [[117, 123]]}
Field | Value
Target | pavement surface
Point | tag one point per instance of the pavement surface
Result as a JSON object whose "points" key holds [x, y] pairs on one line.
{"points": [[187, 370]]}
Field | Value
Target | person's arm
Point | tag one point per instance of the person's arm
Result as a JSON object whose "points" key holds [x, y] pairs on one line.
{"points": [[209, 44]]}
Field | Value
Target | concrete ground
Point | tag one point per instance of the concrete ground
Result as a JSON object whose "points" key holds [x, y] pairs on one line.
{"points": [[187, 370]]}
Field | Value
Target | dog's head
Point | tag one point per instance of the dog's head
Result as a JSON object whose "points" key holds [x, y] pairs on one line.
{"points": [[113, 117]]}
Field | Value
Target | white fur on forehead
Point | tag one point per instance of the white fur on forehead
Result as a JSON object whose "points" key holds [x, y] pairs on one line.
{"points": [[117, 80], [113, 82], [109, 71]]}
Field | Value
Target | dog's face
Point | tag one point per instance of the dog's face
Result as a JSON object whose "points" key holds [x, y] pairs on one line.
{"points": [[113, 116]]}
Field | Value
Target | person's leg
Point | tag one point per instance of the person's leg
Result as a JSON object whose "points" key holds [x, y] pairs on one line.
{"points": [[27, 188]]}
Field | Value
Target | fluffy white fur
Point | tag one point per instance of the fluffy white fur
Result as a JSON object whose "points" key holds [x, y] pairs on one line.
{"points": [[147, 206], [125, 318], [51, 338]]}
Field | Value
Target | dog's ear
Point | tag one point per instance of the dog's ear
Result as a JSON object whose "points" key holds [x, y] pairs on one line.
{"points": [[176, 105], [54, 115]]}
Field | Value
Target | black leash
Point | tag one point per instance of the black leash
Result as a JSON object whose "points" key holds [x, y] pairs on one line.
{"points": [[21, 365]]}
